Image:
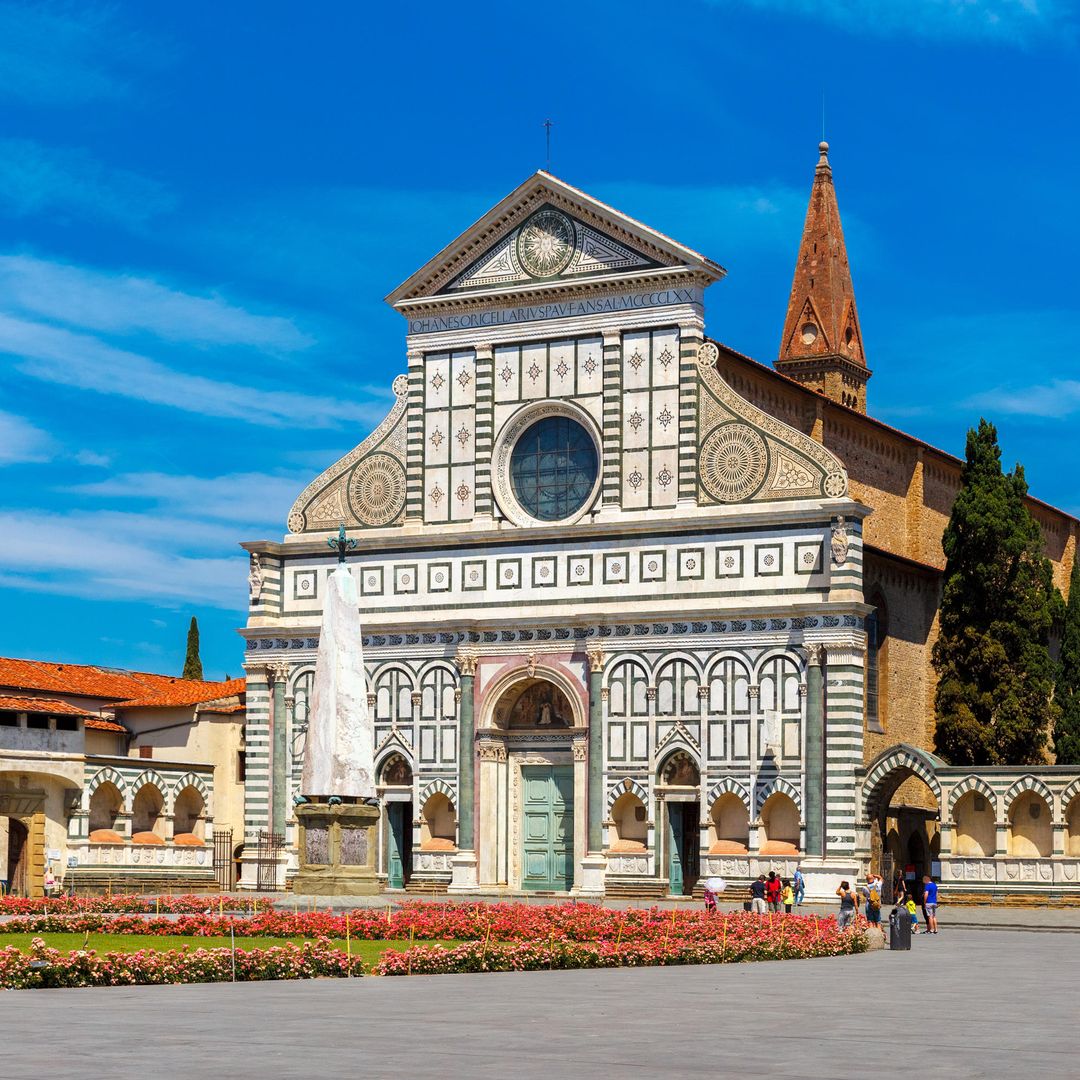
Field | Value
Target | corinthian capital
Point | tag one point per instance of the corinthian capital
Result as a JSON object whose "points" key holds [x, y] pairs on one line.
{"points": [[466, 662], [596, 658], [815, 654]]}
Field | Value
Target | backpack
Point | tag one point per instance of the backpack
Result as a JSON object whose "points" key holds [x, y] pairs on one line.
{"points": [[873, 898]]}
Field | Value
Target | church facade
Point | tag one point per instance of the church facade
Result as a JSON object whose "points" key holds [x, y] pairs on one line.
{"points": [[614, 585]]}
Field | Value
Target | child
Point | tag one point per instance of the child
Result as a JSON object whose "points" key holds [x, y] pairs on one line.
{"points": [[912, 911], [710, 900], [788, 895]]}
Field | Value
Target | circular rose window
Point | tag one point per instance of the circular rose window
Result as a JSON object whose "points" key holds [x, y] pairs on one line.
{"points": [[553, 468]]}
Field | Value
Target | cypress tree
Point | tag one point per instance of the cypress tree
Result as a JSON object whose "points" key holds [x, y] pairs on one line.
{"points": [[192, 663], [995, 675], [1067, 694]]}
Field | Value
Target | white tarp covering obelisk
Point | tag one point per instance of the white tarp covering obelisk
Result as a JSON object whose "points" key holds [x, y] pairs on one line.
{"points": [[340, 748]]}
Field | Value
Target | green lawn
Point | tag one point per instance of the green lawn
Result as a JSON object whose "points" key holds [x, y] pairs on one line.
{"points": [[369, 951]]}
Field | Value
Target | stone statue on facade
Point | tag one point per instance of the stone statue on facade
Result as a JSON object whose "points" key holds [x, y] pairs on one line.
{"points": [[255, 578], [840, 542]]}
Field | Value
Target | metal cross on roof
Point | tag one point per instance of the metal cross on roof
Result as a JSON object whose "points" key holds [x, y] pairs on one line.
{"points": [[340, 543]]}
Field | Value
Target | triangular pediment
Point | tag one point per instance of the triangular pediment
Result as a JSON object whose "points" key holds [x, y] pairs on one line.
{"points": [[548, 232], [550, 244]]}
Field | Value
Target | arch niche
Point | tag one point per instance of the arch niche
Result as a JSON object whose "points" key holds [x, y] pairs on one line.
{"points": [[531, 779], [902, 803], [395, 788], [679, 787]]}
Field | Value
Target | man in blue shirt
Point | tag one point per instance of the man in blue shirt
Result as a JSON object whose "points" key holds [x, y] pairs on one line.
{"points": [[929, 890]]}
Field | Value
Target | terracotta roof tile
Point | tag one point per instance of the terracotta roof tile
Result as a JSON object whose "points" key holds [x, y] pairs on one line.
{"points": [[40, 705], [184, 692], [112, 684], [95, 723]]}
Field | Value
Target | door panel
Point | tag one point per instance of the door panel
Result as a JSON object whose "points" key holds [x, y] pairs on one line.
{"points": [[675, 849], [395, 862], [548, 827]]}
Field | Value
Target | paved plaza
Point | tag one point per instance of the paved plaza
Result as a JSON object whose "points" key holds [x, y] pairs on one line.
{"points": [[967, 1003]]}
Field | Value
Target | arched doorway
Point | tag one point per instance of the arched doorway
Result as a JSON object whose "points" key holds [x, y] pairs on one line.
{"points": [[679, 785], [395, 789], [531, 779], [18, 858], [902, 801]]}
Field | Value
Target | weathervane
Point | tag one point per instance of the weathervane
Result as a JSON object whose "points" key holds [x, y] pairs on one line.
{"points": [[340, 544]]}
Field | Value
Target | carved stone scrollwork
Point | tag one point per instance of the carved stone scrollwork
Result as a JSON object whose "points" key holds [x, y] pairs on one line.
{"points": [[581, 750], [815, 654], [596, 659], [277, 672], [466, 662], [492, 751]]}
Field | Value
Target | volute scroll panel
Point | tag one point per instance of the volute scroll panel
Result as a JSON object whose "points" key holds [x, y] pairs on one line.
{"points": [[746, 455]]}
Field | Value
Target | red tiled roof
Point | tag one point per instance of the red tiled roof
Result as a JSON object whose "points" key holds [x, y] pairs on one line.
{"points": [[185, 692], [224, 710], [112, 684], [40, 705], [95, 723]]}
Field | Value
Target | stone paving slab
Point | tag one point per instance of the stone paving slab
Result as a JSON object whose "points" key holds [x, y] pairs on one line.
{"points": [[959, 1005]]}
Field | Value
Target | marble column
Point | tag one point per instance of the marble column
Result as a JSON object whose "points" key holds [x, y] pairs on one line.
{"points": [[593, 864], [464, 862], [814, 765], [279, 785]]}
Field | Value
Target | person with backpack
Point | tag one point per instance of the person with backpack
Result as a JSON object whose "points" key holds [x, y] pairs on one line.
{"points": [[872, 891]]}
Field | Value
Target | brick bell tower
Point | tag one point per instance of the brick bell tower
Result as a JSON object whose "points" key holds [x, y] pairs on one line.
{"points": [[822, 345]]}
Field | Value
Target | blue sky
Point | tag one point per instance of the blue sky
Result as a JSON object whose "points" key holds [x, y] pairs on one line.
{"points": [[202, 206]]}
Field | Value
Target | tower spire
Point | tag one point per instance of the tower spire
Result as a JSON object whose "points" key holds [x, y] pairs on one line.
{"points": [[822, 345]]}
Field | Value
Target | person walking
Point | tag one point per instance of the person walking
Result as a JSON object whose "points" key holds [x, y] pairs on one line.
{"points": [[849, 905], [930, 891], [757, 895], [787, 894], [798, 883], [772, 892]]}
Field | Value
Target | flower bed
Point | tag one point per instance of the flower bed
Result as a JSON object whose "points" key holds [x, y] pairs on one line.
{"points": [[132, 903], [571, 922], [45, 967]]}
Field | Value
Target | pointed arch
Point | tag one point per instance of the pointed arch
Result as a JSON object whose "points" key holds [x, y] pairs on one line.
{"points": [[729, 786], [1027, 783], [195, 781], [973, 783], [777, 785], [438, 787], [112, 776], [888, 770], [154, 779], [624, 786]]}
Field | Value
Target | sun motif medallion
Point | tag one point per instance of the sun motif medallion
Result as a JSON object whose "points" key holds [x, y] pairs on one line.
{"points": [[733, 462], [546, 243], [377, 489]]}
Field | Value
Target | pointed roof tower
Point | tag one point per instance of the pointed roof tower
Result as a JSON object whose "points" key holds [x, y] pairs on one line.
{"points": [[822, 345]]}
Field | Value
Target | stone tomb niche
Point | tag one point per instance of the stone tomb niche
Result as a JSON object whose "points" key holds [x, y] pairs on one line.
{"points": [[536, 705]]}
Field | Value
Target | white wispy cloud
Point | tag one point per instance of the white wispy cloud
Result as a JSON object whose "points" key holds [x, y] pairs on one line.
{"points": [[121, 303], [60, 54], [92, 459], [248, 500], [118, 556], [61, 182], [1054, 400], [21, 441], [1011, 22], [57, 355]]}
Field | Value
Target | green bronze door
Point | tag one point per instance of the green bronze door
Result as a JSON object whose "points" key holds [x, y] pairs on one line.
{"points": [[548, 827], [398, 844], [676, 848]]}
